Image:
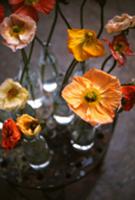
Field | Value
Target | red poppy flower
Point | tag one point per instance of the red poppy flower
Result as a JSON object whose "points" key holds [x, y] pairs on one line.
{"points": [[128, 97], [32, 7], [2, 12], [120, 48], [10, 134]]}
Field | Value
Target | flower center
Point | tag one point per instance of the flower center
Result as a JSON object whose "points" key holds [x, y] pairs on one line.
{"points": [[89, 37], [91, 97], [16, 30], [30, 2], [119, 47], [33, 125], [12, 93]]}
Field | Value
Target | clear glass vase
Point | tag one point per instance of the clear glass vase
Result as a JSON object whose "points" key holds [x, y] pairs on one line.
{"points": [[48, 69], [37, 152], [82, 135], [41, 102]]}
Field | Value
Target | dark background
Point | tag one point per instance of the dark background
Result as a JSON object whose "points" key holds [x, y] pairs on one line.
{"points": [[115, 180]]}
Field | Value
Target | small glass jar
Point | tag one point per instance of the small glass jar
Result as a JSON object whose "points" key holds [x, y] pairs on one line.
{"points": [[82, 135], [37, 152], [48, 69], [42, 103]]}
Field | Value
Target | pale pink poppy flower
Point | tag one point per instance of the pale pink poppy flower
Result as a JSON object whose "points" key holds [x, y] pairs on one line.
{"points": [[120, 23], [18, 31]]}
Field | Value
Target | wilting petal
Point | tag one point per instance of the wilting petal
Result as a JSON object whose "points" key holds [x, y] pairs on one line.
{"points": [[120, 48], [119, 23]]}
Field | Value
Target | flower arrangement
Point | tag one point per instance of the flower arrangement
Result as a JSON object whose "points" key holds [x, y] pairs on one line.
{"points": [[95, 96]]}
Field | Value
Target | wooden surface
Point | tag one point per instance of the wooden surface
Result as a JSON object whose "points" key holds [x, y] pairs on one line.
{"points": [[115, 180]]}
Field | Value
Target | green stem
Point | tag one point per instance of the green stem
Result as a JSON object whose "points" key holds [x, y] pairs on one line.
{"points": [[53, 26], [26, 60], [45, 46], [53, 65], [83, 67], [39, 41], [25, 68], [112, 68], [101, 21], [82, 13], [64, 18], [105, 61], [68, 73]]}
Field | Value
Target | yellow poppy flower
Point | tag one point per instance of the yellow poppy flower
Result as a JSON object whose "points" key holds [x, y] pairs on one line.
{"points": [[83, 44], [12, 95], [95, 96], [28, 125]]}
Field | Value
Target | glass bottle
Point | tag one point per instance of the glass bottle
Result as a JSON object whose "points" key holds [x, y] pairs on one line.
{"points": [[41, 102], [82, 135], [37, 152], [48, 69]]}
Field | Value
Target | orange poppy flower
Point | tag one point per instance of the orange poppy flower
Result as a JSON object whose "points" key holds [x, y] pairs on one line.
{"points": [[128, 100], [10, 134], [95, 96], [28, 125], [2, 12], [32, 7], [83, 44]]}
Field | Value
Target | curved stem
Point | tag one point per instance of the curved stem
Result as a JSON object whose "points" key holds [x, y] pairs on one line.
{"points": [[26, 60], [25, 68], [105, 61], [53, 26], [113, 66], [51, 30], [39, 41], [64, 18], [68, 73], [82, 13], [101, 21]]}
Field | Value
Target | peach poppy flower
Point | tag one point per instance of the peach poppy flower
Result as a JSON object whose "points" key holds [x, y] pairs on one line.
{"points": [[120, 23], [83, 44], [18, 31], [28, 125], [2, 13], [94, 97], [12, 95], [32, 7]]}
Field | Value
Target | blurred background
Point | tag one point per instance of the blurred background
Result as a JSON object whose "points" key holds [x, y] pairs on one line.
{"points": [[115, 180]]}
